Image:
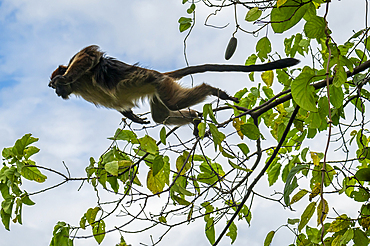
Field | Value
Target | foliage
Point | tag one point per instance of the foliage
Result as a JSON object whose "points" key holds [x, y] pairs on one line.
{"points": [[306, 105]]}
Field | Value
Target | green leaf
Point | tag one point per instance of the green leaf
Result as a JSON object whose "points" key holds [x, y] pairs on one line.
{"points": [[22, 143], [180, 162], [306, 215], [26, 200], [268, 92], [273, 173], [360, 238], [155, 183], [191, 8], [239, 167], [158, 164], [202, 129], [250, 131], [112, 167], [98, 229], [5, 218], [162, 135], [113, 181], [125, 135], [29, 151], [336, 96], [217, 136], [291, 182], [313, 235], [233, 232], [148, 144], [210, 230], [303, 93], [83, 222], [251, 60], [263, 47], [179, 189], [207, 110], [163, 219], [180, 201], [269, 238], [315, 27], [244, 148], [210, 173], [293, 221], [340, 76], [300, 194], [360, 196], [287, 15], [61, 235], [253, 14], [32, 173], [185, 23], [347, 236], [363, 174], [320, 211], [268, 77], [340, 223], [304, 153], [91, 214], [367, 43]]}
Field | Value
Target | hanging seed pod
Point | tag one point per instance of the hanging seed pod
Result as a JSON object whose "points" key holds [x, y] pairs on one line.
{"points": [[231, 47]]}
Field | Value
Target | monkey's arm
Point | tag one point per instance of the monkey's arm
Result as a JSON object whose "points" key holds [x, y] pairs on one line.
{"points": [[279, 64], [129, 114]]}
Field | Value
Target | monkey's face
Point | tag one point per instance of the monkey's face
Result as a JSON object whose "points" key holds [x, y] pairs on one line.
{"points": [[59, 83]]}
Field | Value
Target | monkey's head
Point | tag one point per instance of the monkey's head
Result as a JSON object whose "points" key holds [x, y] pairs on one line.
{"points": [[59, 71], [58, 82]]}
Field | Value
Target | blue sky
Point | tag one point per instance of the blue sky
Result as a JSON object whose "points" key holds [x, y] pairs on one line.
{"points": [[37, 36]]}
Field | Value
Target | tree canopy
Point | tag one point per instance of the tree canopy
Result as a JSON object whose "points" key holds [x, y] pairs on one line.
{"points": [[152, 178]]}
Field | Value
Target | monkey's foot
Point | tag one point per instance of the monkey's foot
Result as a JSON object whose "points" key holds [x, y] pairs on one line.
{"points": [[130, 115]]}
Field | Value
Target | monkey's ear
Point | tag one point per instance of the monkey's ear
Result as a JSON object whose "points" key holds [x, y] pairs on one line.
{"points": [[59, 71]]}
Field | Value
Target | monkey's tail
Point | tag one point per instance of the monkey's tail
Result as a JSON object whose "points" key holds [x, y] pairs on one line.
{"points": [[283, 63]]}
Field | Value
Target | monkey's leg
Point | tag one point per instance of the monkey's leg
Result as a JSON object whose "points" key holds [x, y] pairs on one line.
{"points": [[176, 97], [161, 114], [129, 114]]}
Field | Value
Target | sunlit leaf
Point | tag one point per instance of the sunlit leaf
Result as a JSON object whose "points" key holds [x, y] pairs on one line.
{"points": [[320, 211], [340, 223], [269, 238], [112, 167], [306, 215], [233, 232], [300, 194], [32, 173], [155, 183], [253, 14], [99, 231], [268, 77], [148, 144]]}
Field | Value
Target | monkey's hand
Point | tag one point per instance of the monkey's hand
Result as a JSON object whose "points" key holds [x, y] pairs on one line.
{"points": [[61, 85], [129, 114]]}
